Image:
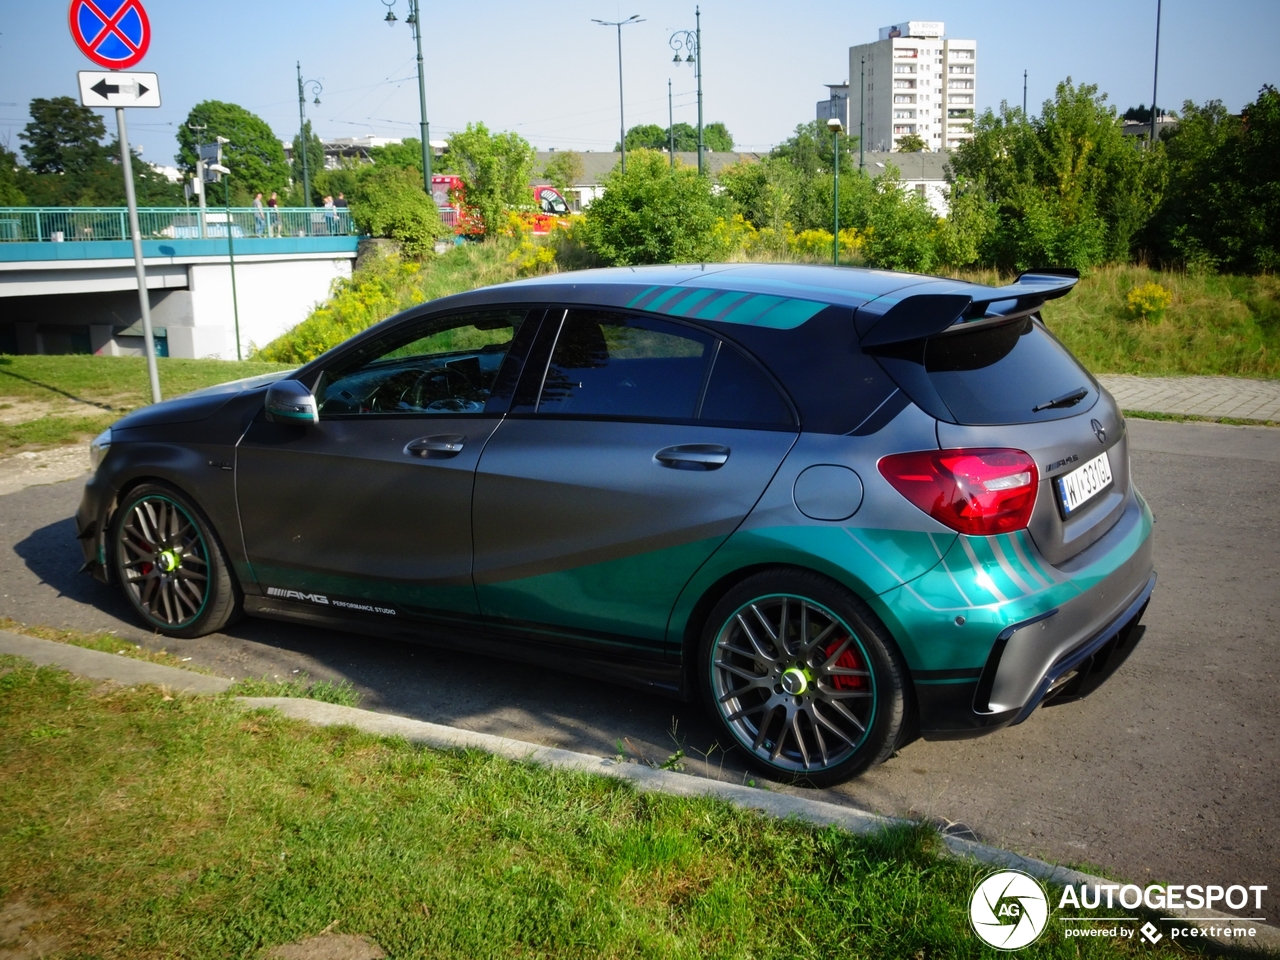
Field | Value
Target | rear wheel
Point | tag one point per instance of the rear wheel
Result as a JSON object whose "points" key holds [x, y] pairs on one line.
{"points": [[801, 675], [170, 564]]}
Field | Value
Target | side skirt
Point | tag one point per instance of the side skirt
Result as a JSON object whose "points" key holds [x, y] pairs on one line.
{"points": [[652, 676]]}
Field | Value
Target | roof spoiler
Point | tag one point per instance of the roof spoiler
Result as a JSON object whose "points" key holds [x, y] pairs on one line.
{"points": [[927, 314]]}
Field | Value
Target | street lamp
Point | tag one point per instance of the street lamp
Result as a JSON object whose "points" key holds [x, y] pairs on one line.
{"points": [[862, 117], [302, 128], [622, 121], [835, 126], [1155, 78], [690, 41], [415, 21], [220, 170]]}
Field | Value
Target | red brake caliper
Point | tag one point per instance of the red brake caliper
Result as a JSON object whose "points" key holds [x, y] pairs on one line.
{"points": [[849, 661]]}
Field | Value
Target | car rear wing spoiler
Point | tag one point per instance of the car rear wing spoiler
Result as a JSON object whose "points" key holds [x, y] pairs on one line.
{"points": [[927, 314]]}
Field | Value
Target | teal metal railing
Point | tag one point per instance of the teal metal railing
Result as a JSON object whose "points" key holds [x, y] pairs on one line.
{"points": [[69, 224]]}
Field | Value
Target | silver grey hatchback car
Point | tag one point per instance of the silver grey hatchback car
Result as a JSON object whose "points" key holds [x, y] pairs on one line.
{"points": [[843, 508]]}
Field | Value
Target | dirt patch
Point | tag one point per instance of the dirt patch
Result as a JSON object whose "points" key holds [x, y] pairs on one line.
{"points": [[16, 410], [33, 467], [329, 946], [20, 935]]}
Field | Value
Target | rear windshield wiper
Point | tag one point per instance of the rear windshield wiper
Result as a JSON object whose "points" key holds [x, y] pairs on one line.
{"points": [[1066, 400]]}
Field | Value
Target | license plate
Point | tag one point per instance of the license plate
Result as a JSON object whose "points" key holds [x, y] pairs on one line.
{"points": [[1082, 484]]}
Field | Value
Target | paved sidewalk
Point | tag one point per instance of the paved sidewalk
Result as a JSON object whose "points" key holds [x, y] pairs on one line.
{"points": [[1236, 397]]}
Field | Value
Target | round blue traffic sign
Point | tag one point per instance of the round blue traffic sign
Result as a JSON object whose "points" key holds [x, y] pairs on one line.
{"points": [[114, 34]]}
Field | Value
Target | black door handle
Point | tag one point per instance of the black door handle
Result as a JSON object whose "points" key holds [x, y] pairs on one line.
{"points": [[693, 456], [441, 446]]}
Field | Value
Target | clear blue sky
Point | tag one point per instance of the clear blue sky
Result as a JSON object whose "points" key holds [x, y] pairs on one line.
{"points": [[546, 71]]}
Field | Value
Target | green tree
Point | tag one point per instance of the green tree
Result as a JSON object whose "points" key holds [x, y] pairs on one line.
{"points": [[315, 164], [1222, 204], [716, 136], [900, 228], [686, 138], [63, 137], [653, 213], [11, 174], [254, 154], [1067, 187], [564, 170], [912, 143], [407, 154], [809, 149], [390, 202], [648, 136], [496, 168]]}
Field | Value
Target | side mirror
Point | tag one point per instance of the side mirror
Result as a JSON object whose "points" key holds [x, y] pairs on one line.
{"points": [[288, 401]]}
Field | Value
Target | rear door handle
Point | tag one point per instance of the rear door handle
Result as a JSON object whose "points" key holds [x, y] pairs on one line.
{"points": [[440, 446], [693, 456]]}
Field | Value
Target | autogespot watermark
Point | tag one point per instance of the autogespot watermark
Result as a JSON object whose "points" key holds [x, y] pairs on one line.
{"points": [[1010, 910]]}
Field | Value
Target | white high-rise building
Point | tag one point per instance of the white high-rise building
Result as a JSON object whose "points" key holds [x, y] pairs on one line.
{"points": [[917, 81]]}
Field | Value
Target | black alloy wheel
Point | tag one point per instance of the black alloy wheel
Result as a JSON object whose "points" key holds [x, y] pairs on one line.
{"points": [[170, 563], [803, 677]]}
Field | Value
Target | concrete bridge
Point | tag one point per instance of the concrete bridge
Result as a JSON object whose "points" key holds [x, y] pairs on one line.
{"points": [[67, 280]]}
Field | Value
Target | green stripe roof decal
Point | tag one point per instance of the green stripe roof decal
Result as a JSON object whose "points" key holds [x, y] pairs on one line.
{"points": [[727, 306]]}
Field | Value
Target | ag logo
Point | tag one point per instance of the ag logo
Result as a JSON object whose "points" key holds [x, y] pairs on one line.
{"points": [[1008, 910]]}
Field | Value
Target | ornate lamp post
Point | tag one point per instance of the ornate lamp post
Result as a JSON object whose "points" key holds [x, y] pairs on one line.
{"points": [[302, 128], [622, 120], [690, 41], [415, 21], [835, 126]]}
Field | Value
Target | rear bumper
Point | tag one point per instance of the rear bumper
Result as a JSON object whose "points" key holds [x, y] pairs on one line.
{"points": [[1058, 642]]}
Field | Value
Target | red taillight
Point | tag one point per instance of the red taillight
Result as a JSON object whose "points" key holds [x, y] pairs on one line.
{"points": [[979, 492]]}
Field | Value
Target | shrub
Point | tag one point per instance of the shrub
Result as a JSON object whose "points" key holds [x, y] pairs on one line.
{"points": [[654, 213], [382, 287], [1148, 301], [390, 202]]}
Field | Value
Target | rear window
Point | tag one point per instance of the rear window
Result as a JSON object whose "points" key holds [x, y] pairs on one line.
{"points": [[1000, 374]]}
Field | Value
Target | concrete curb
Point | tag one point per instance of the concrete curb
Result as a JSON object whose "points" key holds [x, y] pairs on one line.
{"points": [[126, 671], [109, 666]]}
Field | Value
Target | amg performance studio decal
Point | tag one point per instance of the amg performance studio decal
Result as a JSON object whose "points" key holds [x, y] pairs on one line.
{"points": [[321, 599]]}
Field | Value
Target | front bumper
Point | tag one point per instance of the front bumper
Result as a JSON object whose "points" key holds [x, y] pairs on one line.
{"points": [[1051, 632], [92, 517]]}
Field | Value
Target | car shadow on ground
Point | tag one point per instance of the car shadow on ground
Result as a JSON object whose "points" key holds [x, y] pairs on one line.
{"points": [[478, 692]]}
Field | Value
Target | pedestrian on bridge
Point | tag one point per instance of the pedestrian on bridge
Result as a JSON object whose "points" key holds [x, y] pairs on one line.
{"points": [[259, 216], [273, 215]]}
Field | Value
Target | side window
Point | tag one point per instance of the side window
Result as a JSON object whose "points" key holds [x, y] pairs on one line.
{"points": [[445, 366], [740, 392], [606, 364]]}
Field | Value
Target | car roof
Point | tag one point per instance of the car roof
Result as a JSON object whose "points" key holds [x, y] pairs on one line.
{"points": [[777, 295]]}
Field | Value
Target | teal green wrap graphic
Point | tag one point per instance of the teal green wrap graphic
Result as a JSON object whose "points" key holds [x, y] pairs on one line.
{"points": [[627, 596], [867, 561], [752, 309], [992, 582]]}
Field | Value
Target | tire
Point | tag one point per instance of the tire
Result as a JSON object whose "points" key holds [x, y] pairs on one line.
{"points": [[815, 711], [170, 564]]}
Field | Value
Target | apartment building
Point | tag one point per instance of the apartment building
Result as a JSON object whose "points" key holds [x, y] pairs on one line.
{"points": [[913, 80]]}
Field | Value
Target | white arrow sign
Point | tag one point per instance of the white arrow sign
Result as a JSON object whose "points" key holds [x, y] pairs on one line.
{"points": [[114, 89]]}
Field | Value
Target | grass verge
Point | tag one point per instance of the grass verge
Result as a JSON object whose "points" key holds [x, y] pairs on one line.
{"points": [[142, 827], [81, 395], [342, 692], [1193, 418], [103, 641]]}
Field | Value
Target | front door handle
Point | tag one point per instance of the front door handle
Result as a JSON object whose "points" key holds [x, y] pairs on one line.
{"points": [[440, 446], [693, 456]]}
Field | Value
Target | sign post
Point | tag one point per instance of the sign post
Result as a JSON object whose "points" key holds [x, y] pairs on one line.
{"points": [[115, 34]]}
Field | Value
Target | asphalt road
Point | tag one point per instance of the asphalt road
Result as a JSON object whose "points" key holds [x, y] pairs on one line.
{"points": [[1170, 772]]}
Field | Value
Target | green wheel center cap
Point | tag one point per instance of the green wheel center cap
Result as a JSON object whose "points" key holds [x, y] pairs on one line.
{"points": [[168, 560], [794, 681]]}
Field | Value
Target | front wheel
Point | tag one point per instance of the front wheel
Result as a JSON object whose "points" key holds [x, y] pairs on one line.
{"points": [[801, 675], [170, 564]]}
